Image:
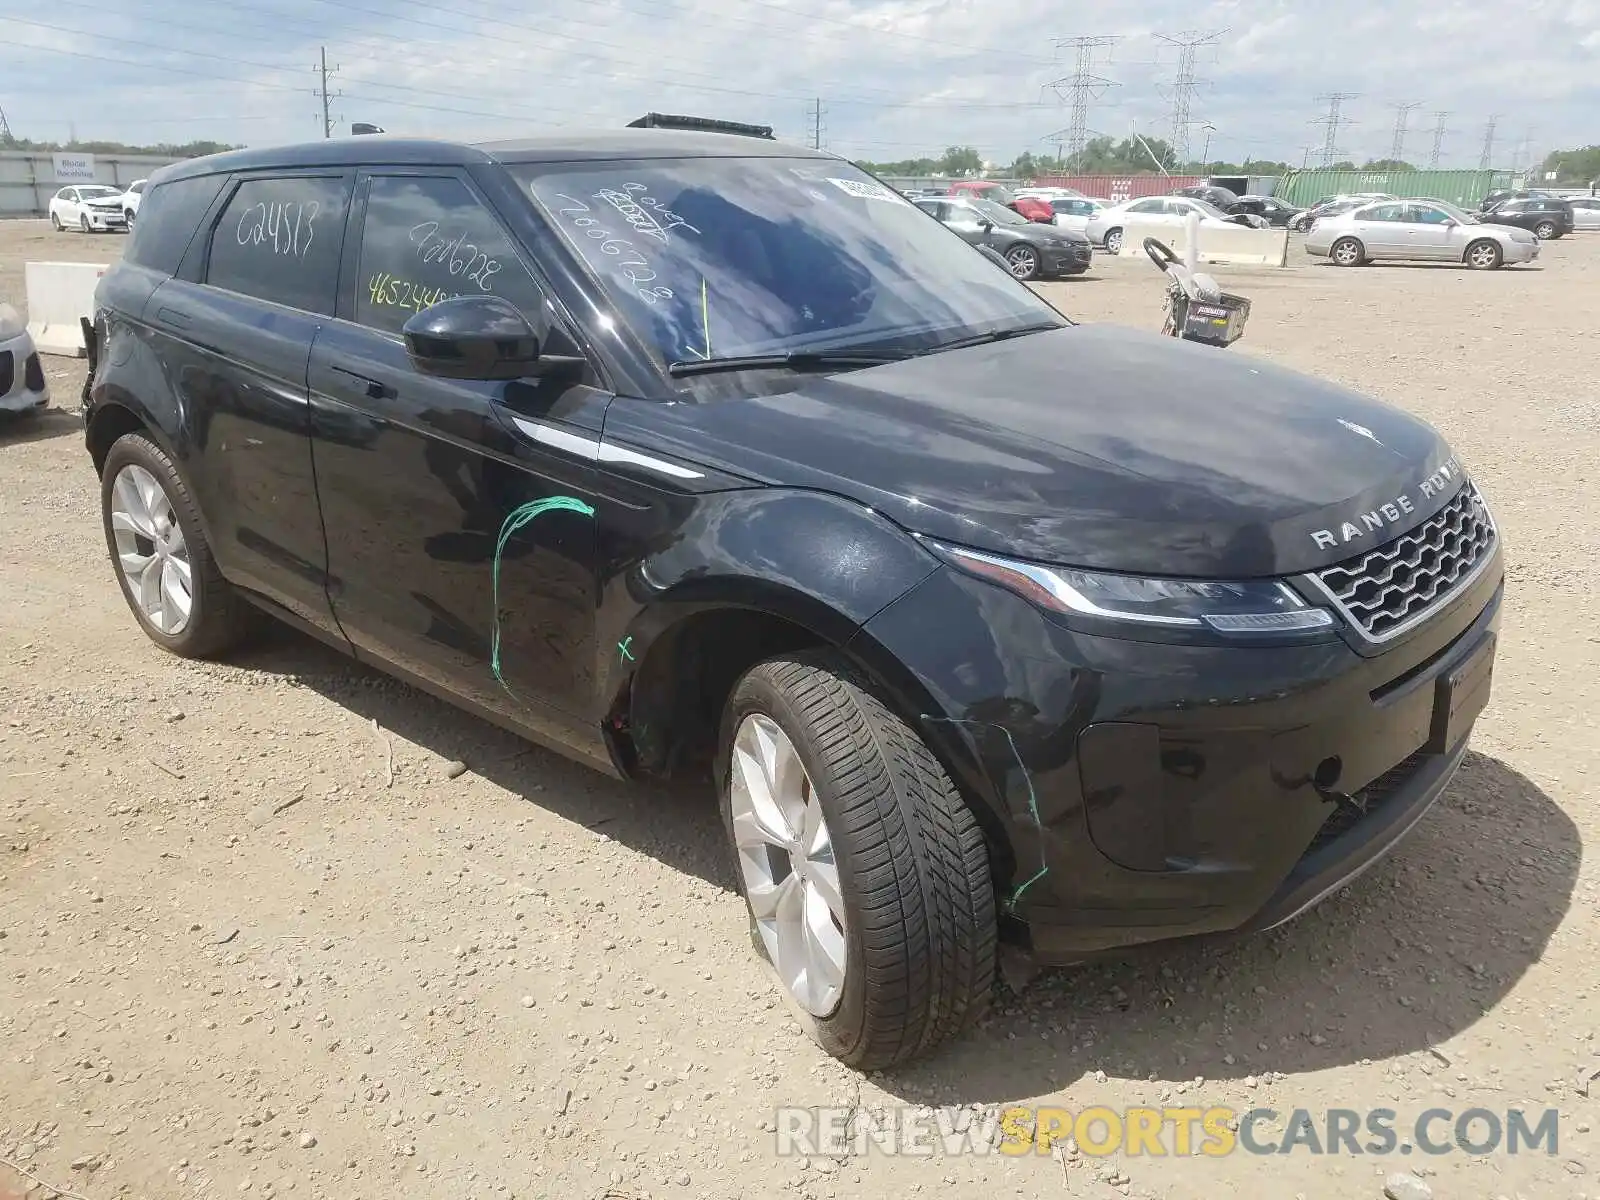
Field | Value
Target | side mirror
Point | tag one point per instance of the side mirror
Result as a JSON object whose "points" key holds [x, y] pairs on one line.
{"points": [[985, 224], [477, 337]]}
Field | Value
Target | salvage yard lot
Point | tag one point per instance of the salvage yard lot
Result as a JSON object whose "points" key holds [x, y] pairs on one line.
{"points": [[257, 929]]}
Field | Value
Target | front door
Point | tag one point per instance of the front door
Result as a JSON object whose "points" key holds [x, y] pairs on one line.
{"points": [[1428, 230], [235, 331], [461, 550]]}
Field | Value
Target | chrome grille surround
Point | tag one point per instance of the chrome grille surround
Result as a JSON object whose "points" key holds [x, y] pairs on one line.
{"points": [[1393, 589]]}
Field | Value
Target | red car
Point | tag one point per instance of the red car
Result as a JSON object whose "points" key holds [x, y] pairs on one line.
{"points": [[1028, 206]]}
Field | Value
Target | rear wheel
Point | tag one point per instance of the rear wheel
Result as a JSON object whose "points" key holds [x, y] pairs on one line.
{"points": [[1544, 229], [1347, 252], [1113, 242], [866, 875], [163, 562], [1484, 256], [1023, 261]]}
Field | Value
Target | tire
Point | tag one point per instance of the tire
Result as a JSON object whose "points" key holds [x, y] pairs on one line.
{"points": [[55, 222], [128, 215], [1347, 252], [83, 223], [1113, 241], [917, 939], [1023, 260], [216, 619], [1544, 230], [1484, 255]]}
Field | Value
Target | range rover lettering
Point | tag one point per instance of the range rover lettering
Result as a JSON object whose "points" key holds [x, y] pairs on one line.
{"points": [[688, 451]]}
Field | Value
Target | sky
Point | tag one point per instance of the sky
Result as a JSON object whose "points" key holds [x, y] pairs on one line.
{"points": [[895, 78]]}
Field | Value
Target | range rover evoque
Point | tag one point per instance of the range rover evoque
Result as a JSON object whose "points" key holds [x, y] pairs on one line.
{"points": [[680, 450]]}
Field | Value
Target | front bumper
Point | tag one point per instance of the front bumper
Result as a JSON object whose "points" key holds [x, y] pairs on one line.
{"points": [[22, 381], [1143, 790], [1067, 260], [107, 219]]}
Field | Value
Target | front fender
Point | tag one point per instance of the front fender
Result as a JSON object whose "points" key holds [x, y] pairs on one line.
{"points": [[817, 561]]}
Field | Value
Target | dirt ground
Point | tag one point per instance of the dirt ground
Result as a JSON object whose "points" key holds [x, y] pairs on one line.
{"points": [[235, 959]]}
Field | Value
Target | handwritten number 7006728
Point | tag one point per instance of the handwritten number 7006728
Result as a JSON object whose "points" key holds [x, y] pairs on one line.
{"points": [[630, 263]]}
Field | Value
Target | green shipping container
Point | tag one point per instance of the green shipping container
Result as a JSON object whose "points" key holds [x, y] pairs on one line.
{"points": [[1462, 188]]}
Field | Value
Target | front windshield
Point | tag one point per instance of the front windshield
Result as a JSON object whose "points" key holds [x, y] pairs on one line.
{"points": [[720, 257], [999, 213], [91, 193]]}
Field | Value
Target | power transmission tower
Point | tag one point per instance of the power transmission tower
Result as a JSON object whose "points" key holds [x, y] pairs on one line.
{"points": [[5, 130], [1486, 159], [324, 70], [814, 115], [1334, 120], [1184, 84], [1523, 160], [1438, 139], [1079, 88], [1402, 118]]}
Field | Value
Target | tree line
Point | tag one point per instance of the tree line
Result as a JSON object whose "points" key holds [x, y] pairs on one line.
{"points": [[162, 149], [1152, 156]]}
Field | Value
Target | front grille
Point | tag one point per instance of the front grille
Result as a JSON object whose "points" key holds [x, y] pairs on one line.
{"points": [[1369, 800], [8, 371], [1390, 589]]}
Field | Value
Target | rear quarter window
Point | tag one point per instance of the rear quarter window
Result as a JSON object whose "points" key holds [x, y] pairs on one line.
{"points": [[280, 239], [168, 218]]}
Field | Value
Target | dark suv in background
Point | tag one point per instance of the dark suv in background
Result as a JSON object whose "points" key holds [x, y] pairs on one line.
{"points": [[1546, 217], [689, 451]]}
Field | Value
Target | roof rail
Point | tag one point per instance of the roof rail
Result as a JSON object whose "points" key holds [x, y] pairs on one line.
{"points": [[703, 124]]}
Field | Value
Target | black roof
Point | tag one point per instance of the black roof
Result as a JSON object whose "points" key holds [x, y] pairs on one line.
{"points": [[396, 150]]}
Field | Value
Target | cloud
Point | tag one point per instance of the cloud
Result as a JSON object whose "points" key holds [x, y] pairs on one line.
{"points": [[894, 78]]}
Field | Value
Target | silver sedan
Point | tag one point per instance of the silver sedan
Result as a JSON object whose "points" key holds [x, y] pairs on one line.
{"points": [[1417, 231], [1586, 212]]}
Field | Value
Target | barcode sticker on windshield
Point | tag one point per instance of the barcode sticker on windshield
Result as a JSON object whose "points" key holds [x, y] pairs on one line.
{"points": [[864, 190]]}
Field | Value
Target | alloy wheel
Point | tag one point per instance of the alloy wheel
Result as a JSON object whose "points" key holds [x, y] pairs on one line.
{"points": [[1544, 230], [1483, 255], [151, 551], [1024, 261], [787, 864], [1346, 254], [1114, 242]]}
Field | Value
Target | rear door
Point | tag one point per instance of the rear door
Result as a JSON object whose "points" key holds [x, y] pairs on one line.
{"points": [[237, 323], [459, 549]]}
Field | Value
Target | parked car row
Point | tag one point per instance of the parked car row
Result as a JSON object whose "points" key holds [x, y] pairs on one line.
{"points": [[96, 207]]}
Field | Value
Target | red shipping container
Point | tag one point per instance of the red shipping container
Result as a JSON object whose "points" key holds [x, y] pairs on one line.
{"points": [[1117, 188]]}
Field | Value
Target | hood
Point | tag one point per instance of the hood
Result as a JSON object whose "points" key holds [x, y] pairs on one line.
{"points": [[1035, 231], [1095, 446]]}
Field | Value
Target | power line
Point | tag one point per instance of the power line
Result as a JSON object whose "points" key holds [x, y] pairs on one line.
{"points": [[1402, 117], [1438, 139], [1184, 84], [1486, 159], [1082, 86], [322, 90], [1333, 121]]}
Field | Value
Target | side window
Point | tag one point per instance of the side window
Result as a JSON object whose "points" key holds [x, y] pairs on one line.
{"points": [[1384, 212], [279, 240], [427, 239], [1426, 214], [165, 225], [70, 194], [1147, 206]]}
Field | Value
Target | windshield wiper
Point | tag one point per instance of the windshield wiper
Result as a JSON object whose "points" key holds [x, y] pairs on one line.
{"points": [[794, 360], [994, 335]]}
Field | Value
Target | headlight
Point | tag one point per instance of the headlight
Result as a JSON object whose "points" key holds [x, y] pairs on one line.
{"points": [[1247, 608]]}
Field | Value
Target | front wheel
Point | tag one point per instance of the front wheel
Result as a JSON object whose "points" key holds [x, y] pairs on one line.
{"points": [[83, 223], [1113, 241], [1484, 256], [866, 875], [1023, 261], [1544, 230], [55, 222], [128, 214]]}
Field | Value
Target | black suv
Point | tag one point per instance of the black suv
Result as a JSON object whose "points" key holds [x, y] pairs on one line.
{"points": [[1546, 217], [677, 450]]}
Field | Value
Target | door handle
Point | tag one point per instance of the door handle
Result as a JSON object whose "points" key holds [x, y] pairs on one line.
{"points": [[173, 317], [375, 389]]}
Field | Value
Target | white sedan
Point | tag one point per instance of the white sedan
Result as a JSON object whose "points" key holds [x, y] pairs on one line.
{"points": [[1105, 227], [1074, 213], [1585, 212], [130, 199], [89, 207]]}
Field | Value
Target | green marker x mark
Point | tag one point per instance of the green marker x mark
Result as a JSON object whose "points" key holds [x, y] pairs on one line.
{"points": [[622, 648]]}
